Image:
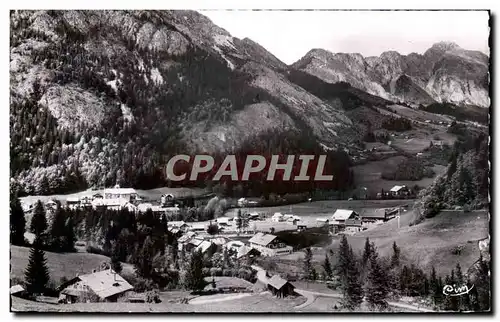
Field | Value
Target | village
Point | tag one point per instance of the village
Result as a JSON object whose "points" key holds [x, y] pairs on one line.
{"points": [[243, 231]]}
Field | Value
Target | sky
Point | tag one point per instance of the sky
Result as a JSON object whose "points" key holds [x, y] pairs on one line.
{"points": [[289, 35]]}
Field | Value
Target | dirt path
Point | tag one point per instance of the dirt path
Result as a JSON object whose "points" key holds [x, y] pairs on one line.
{"points": [[214, 298]]}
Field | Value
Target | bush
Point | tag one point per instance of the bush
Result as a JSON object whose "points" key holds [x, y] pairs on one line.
{"points": [[96, 250]]}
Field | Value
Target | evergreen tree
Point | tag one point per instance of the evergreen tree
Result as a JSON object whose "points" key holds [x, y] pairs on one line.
{"points": [[37, 274], [116, 265], [17, 219], [343, 259], [367, 252], [308, 268], [194, 275], [395, 255], [435, 288], [327, 268], [39, 221], [69, 237], [353, 288], [377, 289], [57, 230], [212, 229], [143, 259], [483, 285]]}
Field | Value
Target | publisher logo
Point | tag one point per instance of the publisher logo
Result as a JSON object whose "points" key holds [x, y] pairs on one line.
{"points": [[456, 290]]}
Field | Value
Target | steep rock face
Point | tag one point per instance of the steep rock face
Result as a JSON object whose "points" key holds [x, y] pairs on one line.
{"points": [[444, 73], [99, 97]]}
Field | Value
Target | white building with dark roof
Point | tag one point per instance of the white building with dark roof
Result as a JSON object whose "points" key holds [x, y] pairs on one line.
{"points": [[104, 286], [269, 245]]}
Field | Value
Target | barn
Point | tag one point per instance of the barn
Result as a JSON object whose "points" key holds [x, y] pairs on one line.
{"points": [[280, 287]]}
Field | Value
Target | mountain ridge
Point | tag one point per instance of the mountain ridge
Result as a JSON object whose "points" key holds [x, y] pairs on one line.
{"points": [[434, 76]]}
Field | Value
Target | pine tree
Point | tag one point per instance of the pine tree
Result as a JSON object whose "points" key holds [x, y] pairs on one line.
{"points": [[367, 252], [395, 255], [483, 284], [116, 265], [194, 275], [69, 237], [37, 274], [308, 268], [327, 268], [17, 219], [57, 230], [435, 288], [39, 221], [343, 260], [377, 289], [143, 259], [353, 288]]}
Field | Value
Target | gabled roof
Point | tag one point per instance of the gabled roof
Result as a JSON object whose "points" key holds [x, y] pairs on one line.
{"points": [[245, 250], [16, 289], [106, 283], [262, 239], [277, 282], [198, 226], [342, 214], [186, 237], [176, 223], [397, 188], [120, 191], [204, 246], [218, 240], [110, 202]]}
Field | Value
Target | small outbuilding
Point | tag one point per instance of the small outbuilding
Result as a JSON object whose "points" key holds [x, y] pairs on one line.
{"points": [[280, 287]]}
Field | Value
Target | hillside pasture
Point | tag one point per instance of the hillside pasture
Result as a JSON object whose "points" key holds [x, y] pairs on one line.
{"points": [[60, 265], [369, 175]]}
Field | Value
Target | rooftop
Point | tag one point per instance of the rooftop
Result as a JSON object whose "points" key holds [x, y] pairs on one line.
{"points": [[262, 239], [106, 283]]}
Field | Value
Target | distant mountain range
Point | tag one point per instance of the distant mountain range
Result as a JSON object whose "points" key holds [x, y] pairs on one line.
{"points": [[444, 73]]}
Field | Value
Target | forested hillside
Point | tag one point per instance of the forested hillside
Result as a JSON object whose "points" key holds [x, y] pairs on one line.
{"points": [[104, 98]]}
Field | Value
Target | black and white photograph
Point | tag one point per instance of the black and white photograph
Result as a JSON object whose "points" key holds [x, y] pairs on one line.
{"points": [[250, 161]]}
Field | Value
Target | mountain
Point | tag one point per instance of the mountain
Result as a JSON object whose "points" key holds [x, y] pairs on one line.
{"points": [[105, 97], [445, 73]]}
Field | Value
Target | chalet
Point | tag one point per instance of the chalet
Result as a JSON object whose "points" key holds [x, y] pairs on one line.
{"points": [[157, 210], [280, 287], [242, 202], [167, 200], [397, 191], [97, 196], [246, 252], [277, 217], [128, 194], [199, 227], [253, 216], [234, 245], [181, 225], [205, 246], [113, 204], [346, 220], [101, 286], [86, 202], [17, 290], [192, 243], [379, 215], [269, 245], [223, 221], [73, 203], [301, 227], [183, 240]]}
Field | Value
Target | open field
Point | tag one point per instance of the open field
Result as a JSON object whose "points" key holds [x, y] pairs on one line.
{"points": [[60, 264], [368, 175]]}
